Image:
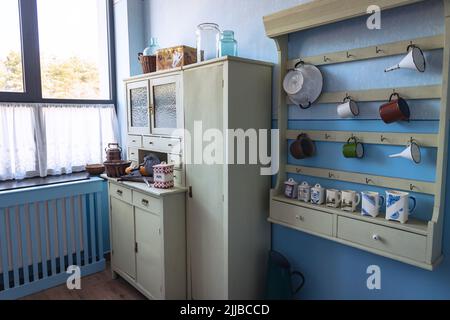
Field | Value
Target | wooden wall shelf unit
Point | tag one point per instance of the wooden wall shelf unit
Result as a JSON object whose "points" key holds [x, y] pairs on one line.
{"points": [[417, 242]]}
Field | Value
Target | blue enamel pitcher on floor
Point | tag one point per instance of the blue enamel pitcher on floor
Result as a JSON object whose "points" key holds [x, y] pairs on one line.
{"points": [[279, 278]]}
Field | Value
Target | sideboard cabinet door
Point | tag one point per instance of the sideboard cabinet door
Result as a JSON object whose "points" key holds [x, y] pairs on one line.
{"points": [[122, 236], [149, 253], [138, 107]]}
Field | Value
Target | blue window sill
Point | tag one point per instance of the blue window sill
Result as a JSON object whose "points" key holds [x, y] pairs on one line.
{"points": [[36, 182]]}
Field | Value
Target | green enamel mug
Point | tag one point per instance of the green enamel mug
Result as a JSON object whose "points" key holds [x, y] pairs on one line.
{"points": [[353, 148]]}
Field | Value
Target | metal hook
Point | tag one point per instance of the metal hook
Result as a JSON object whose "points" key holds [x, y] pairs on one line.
{"points": [[368, 180], [349, 55], [298, 170], [383, 138], [327, 136], [325, 59], [330, 175], [412, 187], [378, 50]]}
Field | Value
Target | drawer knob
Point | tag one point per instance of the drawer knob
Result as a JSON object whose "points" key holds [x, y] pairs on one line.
{"points": [[119, 192], [299, 217], [375, 237], [145, 202], [134, 141]]}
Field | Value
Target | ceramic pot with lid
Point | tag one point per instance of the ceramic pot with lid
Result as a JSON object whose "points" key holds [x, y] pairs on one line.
{"points": [[303, 84], [113, 152]]}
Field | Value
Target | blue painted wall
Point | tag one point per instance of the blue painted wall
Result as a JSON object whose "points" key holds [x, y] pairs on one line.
{"points": [[335, 271]]}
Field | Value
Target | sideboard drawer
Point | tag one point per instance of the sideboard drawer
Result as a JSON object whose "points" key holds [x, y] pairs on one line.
{"points": [[150, 142], [399, 242], [134, 141], [170, 145], [133, 154], [304, 218], [146, 202], [120, 192]]}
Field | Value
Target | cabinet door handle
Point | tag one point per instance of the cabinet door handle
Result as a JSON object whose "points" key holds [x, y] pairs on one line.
{"points": [[119, 192], [145, 202]]}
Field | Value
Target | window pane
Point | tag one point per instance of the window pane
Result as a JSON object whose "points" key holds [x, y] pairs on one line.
{"points": [[73, 41], [11, 74]]}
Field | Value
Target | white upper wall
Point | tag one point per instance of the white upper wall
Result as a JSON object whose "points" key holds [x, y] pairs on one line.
{"points": [[174, 22]]}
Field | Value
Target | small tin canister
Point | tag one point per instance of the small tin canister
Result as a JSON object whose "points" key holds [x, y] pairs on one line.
{"points": [[290, 188], [163, 176]]}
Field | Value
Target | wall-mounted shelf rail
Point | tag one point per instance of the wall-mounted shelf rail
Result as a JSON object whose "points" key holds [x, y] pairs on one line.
{"points": [[416, 242], [383, 138], [412, 93], [367, 179], [378, 51]]}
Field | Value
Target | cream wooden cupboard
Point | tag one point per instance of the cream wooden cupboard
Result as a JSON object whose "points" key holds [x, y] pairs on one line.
{"points": [[227, 205], [227, 234], [148, 238]]}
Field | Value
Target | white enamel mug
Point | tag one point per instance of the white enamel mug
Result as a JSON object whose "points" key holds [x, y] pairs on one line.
{"points": [[397, 205], [371, 203], [350, 200], [317, 194], [348, 109], [333, 198]]}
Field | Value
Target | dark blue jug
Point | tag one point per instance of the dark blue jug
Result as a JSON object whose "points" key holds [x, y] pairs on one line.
{"points": [[279, 278]]}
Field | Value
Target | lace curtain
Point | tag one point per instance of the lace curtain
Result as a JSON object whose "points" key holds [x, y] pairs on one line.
{"points": [[51, 139]]}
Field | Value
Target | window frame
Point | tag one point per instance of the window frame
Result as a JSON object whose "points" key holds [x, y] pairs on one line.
{"points": [[31, 64]]}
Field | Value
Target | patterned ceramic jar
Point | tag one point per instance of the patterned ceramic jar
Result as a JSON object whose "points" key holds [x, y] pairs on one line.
{"points": [[163, 175]]}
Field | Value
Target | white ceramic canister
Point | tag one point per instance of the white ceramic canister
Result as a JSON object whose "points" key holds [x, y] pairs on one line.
{"points": [[304, 192], [317, 194], [290, 188], [163, 176]]}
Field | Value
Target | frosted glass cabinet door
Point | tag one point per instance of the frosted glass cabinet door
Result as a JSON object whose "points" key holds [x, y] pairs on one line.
{"points": [[166, 104], [138, 107]]}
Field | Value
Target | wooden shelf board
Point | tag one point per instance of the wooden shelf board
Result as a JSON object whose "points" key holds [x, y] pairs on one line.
{"points": [[381, 50], [366, 179], [321, 12], [408, 93], [413, 225], [383, 138]]}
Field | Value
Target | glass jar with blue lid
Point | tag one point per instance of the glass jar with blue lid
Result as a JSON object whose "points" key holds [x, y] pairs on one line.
{"points": [[228, 45]]}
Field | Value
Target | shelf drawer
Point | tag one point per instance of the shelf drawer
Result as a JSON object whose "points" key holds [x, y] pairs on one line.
{"points": [[304, 218], [398, 242], [146, 202], [133, 154], [171, 145], [134, 141], [120, 192]]}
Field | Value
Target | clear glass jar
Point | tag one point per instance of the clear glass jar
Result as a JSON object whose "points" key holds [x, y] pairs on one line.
{"points": [[208, 38], [228, 45], [152, 48]]}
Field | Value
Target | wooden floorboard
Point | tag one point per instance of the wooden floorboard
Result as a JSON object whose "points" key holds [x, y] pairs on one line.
{"points": [[99, 286]]}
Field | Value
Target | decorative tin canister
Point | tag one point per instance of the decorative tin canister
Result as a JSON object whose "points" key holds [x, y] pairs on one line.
{"points": [[290, 188], [163, 176]]}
